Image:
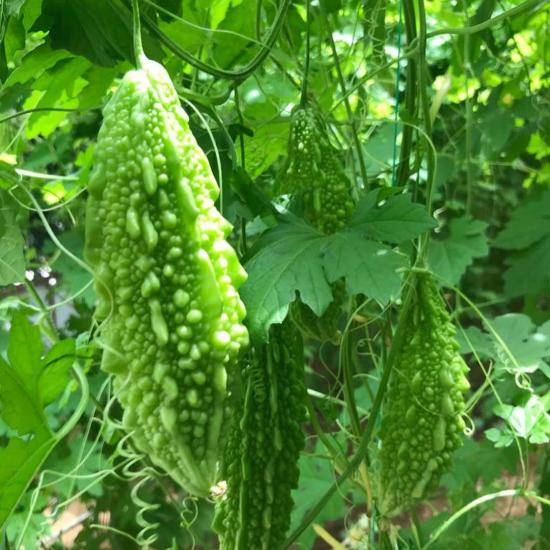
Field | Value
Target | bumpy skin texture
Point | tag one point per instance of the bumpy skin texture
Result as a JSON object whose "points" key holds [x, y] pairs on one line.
{"points": [[165, 276], [315, 174], [421, 423], [260, 463]]}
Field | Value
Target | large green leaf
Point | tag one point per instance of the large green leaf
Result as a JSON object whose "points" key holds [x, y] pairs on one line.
{"points": [[369, 267], [450, 257], [395, 220], [528, 232], [91, 28], [295, 259], [529, 223], [534, 261], [57, 88], [289, 261], [34, 65], [27, 382]]}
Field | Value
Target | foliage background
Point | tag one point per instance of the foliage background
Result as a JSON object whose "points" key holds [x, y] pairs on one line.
{"points": [[488, 125]]}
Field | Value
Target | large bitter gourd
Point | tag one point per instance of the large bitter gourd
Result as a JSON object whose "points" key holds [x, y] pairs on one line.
{"points": [[260, 465], [421, 419], [165, 276]]}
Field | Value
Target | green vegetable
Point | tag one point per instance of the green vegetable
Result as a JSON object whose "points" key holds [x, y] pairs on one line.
{"points": [[421, 419], [314, 174], [260, 465], [165, 276]]}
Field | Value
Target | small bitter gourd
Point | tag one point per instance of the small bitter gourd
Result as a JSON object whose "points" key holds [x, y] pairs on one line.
{"points": [[314, 172], [165, 276], [315, 175], [421, 419], [260, 465]]}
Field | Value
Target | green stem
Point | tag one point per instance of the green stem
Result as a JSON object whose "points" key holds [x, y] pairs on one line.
{"points": [[303, 96], [241, 122], [336, 456], [37, 110], [403, 170], [423, 85], [349, 395], [530, 4], [471, 505], [468, 114], [244, 245], [49, 328], [259, 19], [369, 76], [349, 112], [400, 335], [138, 46], [225, 74]]}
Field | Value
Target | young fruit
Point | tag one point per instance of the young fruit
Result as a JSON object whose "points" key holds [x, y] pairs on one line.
{"points": [[421, 418], [260, 465]]}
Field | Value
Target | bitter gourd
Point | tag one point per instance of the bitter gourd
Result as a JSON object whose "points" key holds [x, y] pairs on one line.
{"points": [[314, 172], [315, 175], [260, 466], [421, 418], [165, 276]]}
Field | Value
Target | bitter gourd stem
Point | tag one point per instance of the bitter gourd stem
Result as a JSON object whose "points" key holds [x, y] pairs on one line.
{"points": [[303, 96], [367, 435], [238, 75], [138, 46]]}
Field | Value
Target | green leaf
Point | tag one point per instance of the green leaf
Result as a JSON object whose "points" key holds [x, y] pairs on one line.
{"points": [[26, 451], [475, 461], [185, 32], [530, 421], [379, 149], [528, 231], [294, 258], [58, 88], [528, 223], [14, 39], [24, 350], [514, 533], [535, 261], [21, 407], [267, 144], [528, 344], [474, 338], [13, 7], [218, 11], [289, 260], [54, 376], [449, 258], [35, 64], [12, 245], [369, 267], [396, 220], [91, 28], [501, 438]]}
